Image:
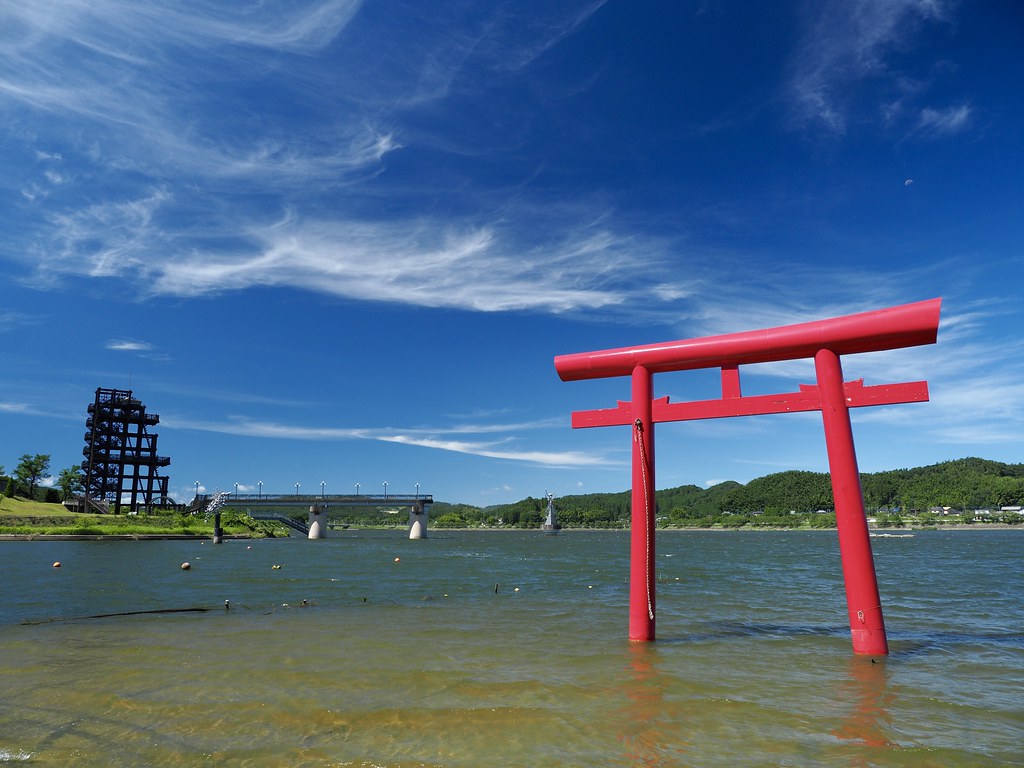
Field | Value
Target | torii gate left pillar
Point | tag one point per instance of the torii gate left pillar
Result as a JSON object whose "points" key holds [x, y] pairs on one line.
{"points": [[824, 340]]}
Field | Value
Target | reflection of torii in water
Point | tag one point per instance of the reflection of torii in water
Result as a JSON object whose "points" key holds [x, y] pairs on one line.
{"points": [[550, 524]]}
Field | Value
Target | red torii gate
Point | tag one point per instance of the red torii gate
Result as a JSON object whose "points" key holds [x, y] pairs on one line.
{"points": [[825, 340]]}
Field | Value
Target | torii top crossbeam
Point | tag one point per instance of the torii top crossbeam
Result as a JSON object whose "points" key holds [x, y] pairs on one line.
{"points": [[908, 325], [824, 341]]}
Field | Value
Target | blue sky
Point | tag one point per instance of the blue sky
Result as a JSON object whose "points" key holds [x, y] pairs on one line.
{"points": [[342, 242]]}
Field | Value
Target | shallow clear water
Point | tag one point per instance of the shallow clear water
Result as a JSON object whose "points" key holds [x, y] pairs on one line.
{"points": [[438, 660]]}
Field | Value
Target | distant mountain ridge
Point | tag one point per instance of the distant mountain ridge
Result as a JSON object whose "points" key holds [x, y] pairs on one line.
{"points": [[962, 484]]}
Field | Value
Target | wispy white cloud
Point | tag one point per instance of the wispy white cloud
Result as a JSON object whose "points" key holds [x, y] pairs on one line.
{"points": [[493, 451], [141, 348], [28, 409], [127, 345], [421, 265], [197, 188], [844, 45], [253, 428], [459, 49], [976, 379], [16, 408], [976, 394], [484, 267], [257, 428], [794, 292], [10, 321], [103, 26], [545, 35], [208, 393], [422, 437], [945, 121], [53, 177], [136, 89], [104, 239]]}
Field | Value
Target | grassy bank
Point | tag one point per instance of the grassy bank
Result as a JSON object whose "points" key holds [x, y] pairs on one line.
{"points": [[21, 517]]}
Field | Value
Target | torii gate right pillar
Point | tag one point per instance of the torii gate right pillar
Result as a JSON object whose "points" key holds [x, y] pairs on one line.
{"points": [[867, 627]]}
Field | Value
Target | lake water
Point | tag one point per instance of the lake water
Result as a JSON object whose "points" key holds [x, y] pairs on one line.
{"points": [[508, 649]]}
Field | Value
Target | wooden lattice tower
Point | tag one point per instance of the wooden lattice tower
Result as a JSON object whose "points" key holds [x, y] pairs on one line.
{"points": [[121, 455]]}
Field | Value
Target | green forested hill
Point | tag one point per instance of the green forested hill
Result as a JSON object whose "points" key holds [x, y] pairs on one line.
{"points": [[963, 484]]}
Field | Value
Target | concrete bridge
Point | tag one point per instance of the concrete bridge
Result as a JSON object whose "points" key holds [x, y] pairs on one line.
{"points": [[319, 506]]}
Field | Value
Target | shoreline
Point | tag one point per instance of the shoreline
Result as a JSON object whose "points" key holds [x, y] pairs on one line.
{"points": [[114, 537], [875, 532]]}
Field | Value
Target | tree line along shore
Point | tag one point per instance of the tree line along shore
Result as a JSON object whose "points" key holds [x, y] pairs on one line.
{"points": [[962, 492], [968, 492]]}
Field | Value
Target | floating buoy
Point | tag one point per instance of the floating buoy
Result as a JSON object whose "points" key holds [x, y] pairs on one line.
{"points": [[398, 559], [249, 547], [57, 564], [185, 566], [516, 589], [276, 567]]}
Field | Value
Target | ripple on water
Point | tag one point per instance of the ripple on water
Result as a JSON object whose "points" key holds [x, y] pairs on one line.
{"points": [[422, 663]]}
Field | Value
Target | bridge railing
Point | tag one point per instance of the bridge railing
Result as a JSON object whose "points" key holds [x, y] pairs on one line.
{"points": [[367, 499]]}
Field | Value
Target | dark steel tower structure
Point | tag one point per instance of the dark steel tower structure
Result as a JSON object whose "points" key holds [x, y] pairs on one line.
{"points": [[121, 459]]}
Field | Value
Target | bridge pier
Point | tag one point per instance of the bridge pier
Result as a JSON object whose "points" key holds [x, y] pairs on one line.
{"points": [[418, 515], [317, 521]]}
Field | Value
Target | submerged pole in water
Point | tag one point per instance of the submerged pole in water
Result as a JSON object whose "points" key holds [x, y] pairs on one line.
{"points": [[863, 603]]}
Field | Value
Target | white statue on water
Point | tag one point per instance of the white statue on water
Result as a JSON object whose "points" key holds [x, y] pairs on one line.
{"points": [[216, 502], [213, 508]]}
